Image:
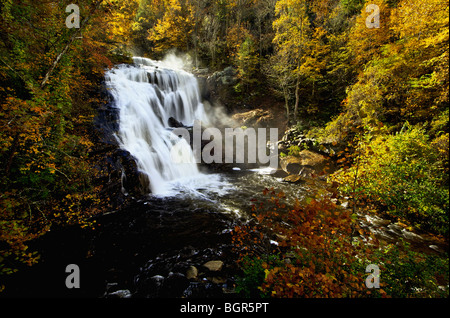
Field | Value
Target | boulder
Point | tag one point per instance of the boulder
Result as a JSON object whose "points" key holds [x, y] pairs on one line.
{"points": [[219, 88], [149, 287], [312, 159], [280, 173], [120, 294], [175, 123], [293, 178], [305, 164], [225, 78], [291, 164], [192, 272], [254, 118], [213, 266], [217, 280], [307, 172], [174, 285]]}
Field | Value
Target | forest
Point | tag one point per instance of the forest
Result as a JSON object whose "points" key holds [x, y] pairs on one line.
{"points": [[370, 84]]}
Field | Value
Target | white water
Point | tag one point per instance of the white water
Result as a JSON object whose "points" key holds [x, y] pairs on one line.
{"points": [[147, 94]]}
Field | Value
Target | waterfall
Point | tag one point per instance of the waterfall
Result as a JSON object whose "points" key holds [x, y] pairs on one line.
{"points": [[147, 94]]}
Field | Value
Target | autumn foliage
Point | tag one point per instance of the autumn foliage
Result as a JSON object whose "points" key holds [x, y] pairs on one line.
{"points": [[50, 79], [379, 96], [316, 249], [315, 252]]}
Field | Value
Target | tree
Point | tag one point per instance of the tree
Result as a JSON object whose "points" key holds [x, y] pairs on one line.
{"points": [[120, 19], [281, 78], [50, 76], [316, 61], [247, 63], [401, 76], [423, 58], [265, 13], [292, 34], [175, 28], [364, 42]]}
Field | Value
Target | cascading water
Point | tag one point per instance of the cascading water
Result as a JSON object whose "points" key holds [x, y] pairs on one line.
{"points": [[147, 95]]}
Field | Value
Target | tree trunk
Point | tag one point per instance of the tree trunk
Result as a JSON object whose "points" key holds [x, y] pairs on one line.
{"points": [[297, 98], [286, 100], [11, 154]]}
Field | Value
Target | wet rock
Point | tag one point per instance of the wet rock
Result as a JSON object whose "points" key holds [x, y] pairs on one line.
{"points": [[307, 172], [133, 181], [293, 178], [220, 87], [120, 294], [175, 123], [291, 164], [280, 173], [149, 287], [174, 285], [214, 266], [203, 290]]}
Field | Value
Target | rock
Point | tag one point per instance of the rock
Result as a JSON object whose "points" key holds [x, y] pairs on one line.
{"points": [[312, 159], [149, 287], [203, 290], [175, 123], [174, 285], [217, 280], [218, 88], [214, 266], [435, 248], [293, 178], [120, 294], [281, 237], [201, 71], [192, 272], [291, 164], [255, 117], [305, 164], [229, 71], [134, 182], [280, 173], [227, 77], [307, 172]]}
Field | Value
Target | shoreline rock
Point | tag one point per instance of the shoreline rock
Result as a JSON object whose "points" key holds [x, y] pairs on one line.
{"points": [[306, 164], [214, 266]]}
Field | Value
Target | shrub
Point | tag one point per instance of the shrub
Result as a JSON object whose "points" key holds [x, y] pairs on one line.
{"points": [[406, 273], [313, 257], [322, 252], [294, 150], [403, 175]]}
